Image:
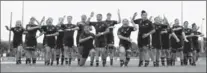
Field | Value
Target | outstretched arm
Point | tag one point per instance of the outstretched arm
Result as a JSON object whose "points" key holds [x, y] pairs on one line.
{"points": [[7, 28], [54, 34]]}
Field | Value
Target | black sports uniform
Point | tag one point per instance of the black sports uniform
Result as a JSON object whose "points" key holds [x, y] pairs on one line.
{"points": [[177, 45], [165, 41], [126, 32], [110, 35], [100, 27], [87, 45], [68, 35], [187, 45], [17, 38], [31, 40], [59, 42], [145, 26], [156, 37], [49, 40], [195, 45]]}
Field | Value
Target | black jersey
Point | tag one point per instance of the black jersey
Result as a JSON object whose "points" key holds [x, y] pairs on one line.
{"points": [[69, 33], [18, 32], [111, 23], [145, 26], [99, 27], [61, 33], [32, 33], [87, 43], [126, 32]]}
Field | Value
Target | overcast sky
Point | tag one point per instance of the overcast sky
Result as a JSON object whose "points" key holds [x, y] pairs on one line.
{"points": [[193, 11]]}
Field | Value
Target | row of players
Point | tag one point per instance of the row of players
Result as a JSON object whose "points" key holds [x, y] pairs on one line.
{"points": [[166, 40]]}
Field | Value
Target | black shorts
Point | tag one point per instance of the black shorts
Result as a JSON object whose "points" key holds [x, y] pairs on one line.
{"points": [[50, 41], [31, 41], [143, 41], [85, 51], [68, 41], [177, 45], [165, 44], [195, 46], [110, 38], [156, 45], [17, 43], [100, 42], [59, 44], [126, 45], [187, 47]]}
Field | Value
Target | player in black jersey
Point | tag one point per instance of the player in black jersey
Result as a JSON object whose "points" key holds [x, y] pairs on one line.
{"points": [[187, 45], [156, 41], [145, 30], [166, 32], [100, 41], [30, 39], [110, 35], [84, 22], [86, 41], [59, 42], [68, 40], [18, 31], [195, 46], [178, 46], [124, 33], [50, 32]]}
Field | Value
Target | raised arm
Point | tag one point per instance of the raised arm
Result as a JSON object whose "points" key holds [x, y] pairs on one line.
{"points": [[40, 23], [133, 24], [89, 19], [119, 16], [134, 16]]}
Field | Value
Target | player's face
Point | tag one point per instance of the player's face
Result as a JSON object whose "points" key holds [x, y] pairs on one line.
{"points": [[32, 20], [49, 21], [61, 20], [108, 16], [176, 22], [99, 17], [144, 15], [185, 24], [83, 17], [125, 22], [194, 27], [18, 23], [157, 20], [69, 18]]}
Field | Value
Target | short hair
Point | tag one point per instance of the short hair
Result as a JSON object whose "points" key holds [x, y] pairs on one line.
{"points": [[194, 24], [109, 14], [99, 14], [69, 16], [143, 11]]}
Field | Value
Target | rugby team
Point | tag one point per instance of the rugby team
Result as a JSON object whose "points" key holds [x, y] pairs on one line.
{"points": [[156, 40]]}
